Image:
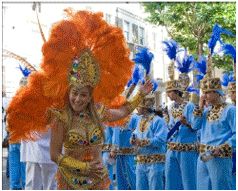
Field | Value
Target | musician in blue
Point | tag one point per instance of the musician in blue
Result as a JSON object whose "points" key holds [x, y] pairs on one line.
{"points": [[149, 138], [181, 156], [218, 137], [125, 155]]}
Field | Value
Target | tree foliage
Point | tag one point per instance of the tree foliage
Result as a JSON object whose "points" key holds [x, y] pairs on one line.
{"points": [[191, 23]]}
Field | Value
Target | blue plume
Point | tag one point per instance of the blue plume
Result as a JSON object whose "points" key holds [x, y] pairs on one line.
{"points": [[229, 50], [24, 71], [186, 65], [227, 78], [215, 36], [199, 77], [192, 89], [201, 66], [155, 84], [171, 48], [138, 75], [144, 57]]}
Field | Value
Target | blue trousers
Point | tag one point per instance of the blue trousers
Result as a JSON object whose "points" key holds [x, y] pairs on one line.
{"points": [[180, 170], [125, 172], [214, 174], [150, 176], [105, 156], [16, 168]]}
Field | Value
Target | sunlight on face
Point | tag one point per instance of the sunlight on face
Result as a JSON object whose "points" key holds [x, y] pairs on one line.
{"points": [[79, 98]]}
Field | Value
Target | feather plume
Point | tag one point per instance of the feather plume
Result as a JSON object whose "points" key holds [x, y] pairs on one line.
{"points": [[144, 57], [215, 36], [228, 49], [186, 65], [26, 72], [227, 78], [192, 89], [171, 48]]}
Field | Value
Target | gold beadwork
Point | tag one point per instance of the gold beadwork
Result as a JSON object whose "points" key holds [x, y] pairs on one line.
{"points": [[157, 158], [216, 111], [85, 70], [182, 146], [135, 101]]}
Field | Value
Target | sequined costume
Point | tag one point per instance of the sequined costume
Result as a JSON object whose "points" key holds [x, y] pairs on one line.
{"points": [[83, 51]]}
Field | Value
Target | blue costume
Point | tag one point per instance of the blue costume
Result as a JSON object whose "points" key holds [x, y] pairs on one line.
{"points": [[181, 156], [152, 130], [105, 153], [218, 129], [125, 162]]}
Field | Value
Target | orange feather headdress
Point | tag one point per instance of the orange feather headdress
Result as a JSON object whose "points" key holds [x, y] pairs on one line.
{"points": [[48, 87]]}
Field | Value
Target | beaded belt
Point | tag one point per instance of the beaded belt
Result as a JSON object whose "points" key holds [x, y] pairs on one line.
{"points": [[106, 147], [225, 150], [182, 146], [126, 151], [150, 158]]}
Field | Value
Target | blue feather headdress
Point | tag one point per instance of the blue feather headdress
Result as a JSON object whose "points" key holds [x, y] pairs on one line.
{"points": [[25, 71], [138, 75], [215, 36], [201, 66], [192, 89], [227, 78], [171, 48], [144, 57], [228, 49], [187, 63]]}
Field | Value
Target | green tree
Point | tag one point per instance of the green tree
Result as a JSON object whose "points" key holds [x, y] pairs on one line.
{"points": [[191, 23]]}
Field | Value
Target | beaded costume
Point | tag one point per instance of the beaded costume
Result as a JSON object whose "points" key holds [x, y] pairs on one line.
{"points": [[82, 50]]}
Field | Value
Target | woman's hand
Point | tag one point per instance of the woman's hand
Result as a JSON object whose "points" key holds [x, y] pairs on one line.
{"points": [[94, 169], [146, 88]]}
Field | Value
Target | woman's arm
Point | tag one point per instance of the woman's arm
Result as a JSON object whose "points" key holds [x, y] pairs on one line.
{"points": [[57, 139], [116, 114]]}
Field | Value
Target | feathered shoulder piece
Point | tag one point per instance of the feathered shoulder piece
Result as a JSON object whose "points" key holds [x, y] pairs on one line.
{"points": [[171, 48], [186, 65], [144, 57], [216, 36]]}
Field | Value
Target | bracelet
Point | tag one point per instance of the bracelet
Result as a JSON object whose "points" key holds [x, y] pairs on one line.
{"points": [[135, 101]]}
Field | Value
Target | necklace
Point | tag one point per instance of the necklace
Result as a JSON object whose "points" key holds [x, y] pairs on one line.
{"points": [[144, 123]]}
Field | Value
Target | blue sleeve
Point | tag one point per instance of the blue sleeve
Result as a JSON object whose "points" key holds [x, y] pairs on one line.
{"points": [[160, 131], [231, 117], [132, 123], [198, 120]]}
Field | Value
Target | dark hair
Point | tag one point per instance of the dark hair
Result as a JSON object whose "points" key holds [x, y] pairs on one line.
{"points": [[179, 93]]}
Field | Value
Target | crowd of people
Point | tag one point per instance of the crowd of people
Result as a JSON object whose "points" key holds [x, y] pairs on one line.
{"points": [[66, 135]]}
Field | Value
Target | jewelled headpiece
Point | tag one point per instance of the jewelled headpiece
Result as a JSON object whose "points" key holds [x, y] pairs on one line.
{"points": [[210, 84], [173, 85], [85, 70]]}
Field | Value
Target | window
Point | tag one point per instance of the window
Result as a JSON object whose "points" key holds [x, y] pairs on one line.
{"points": [[141, 35], [134, 33], [119, 22], [108, 18], [126, 29]]}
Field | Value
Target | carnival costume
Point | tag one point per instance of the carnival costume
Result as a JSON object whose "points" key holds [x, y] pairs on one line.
{"points": [[151, 132], [82, 50], [218, 131], [181, 156]]}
